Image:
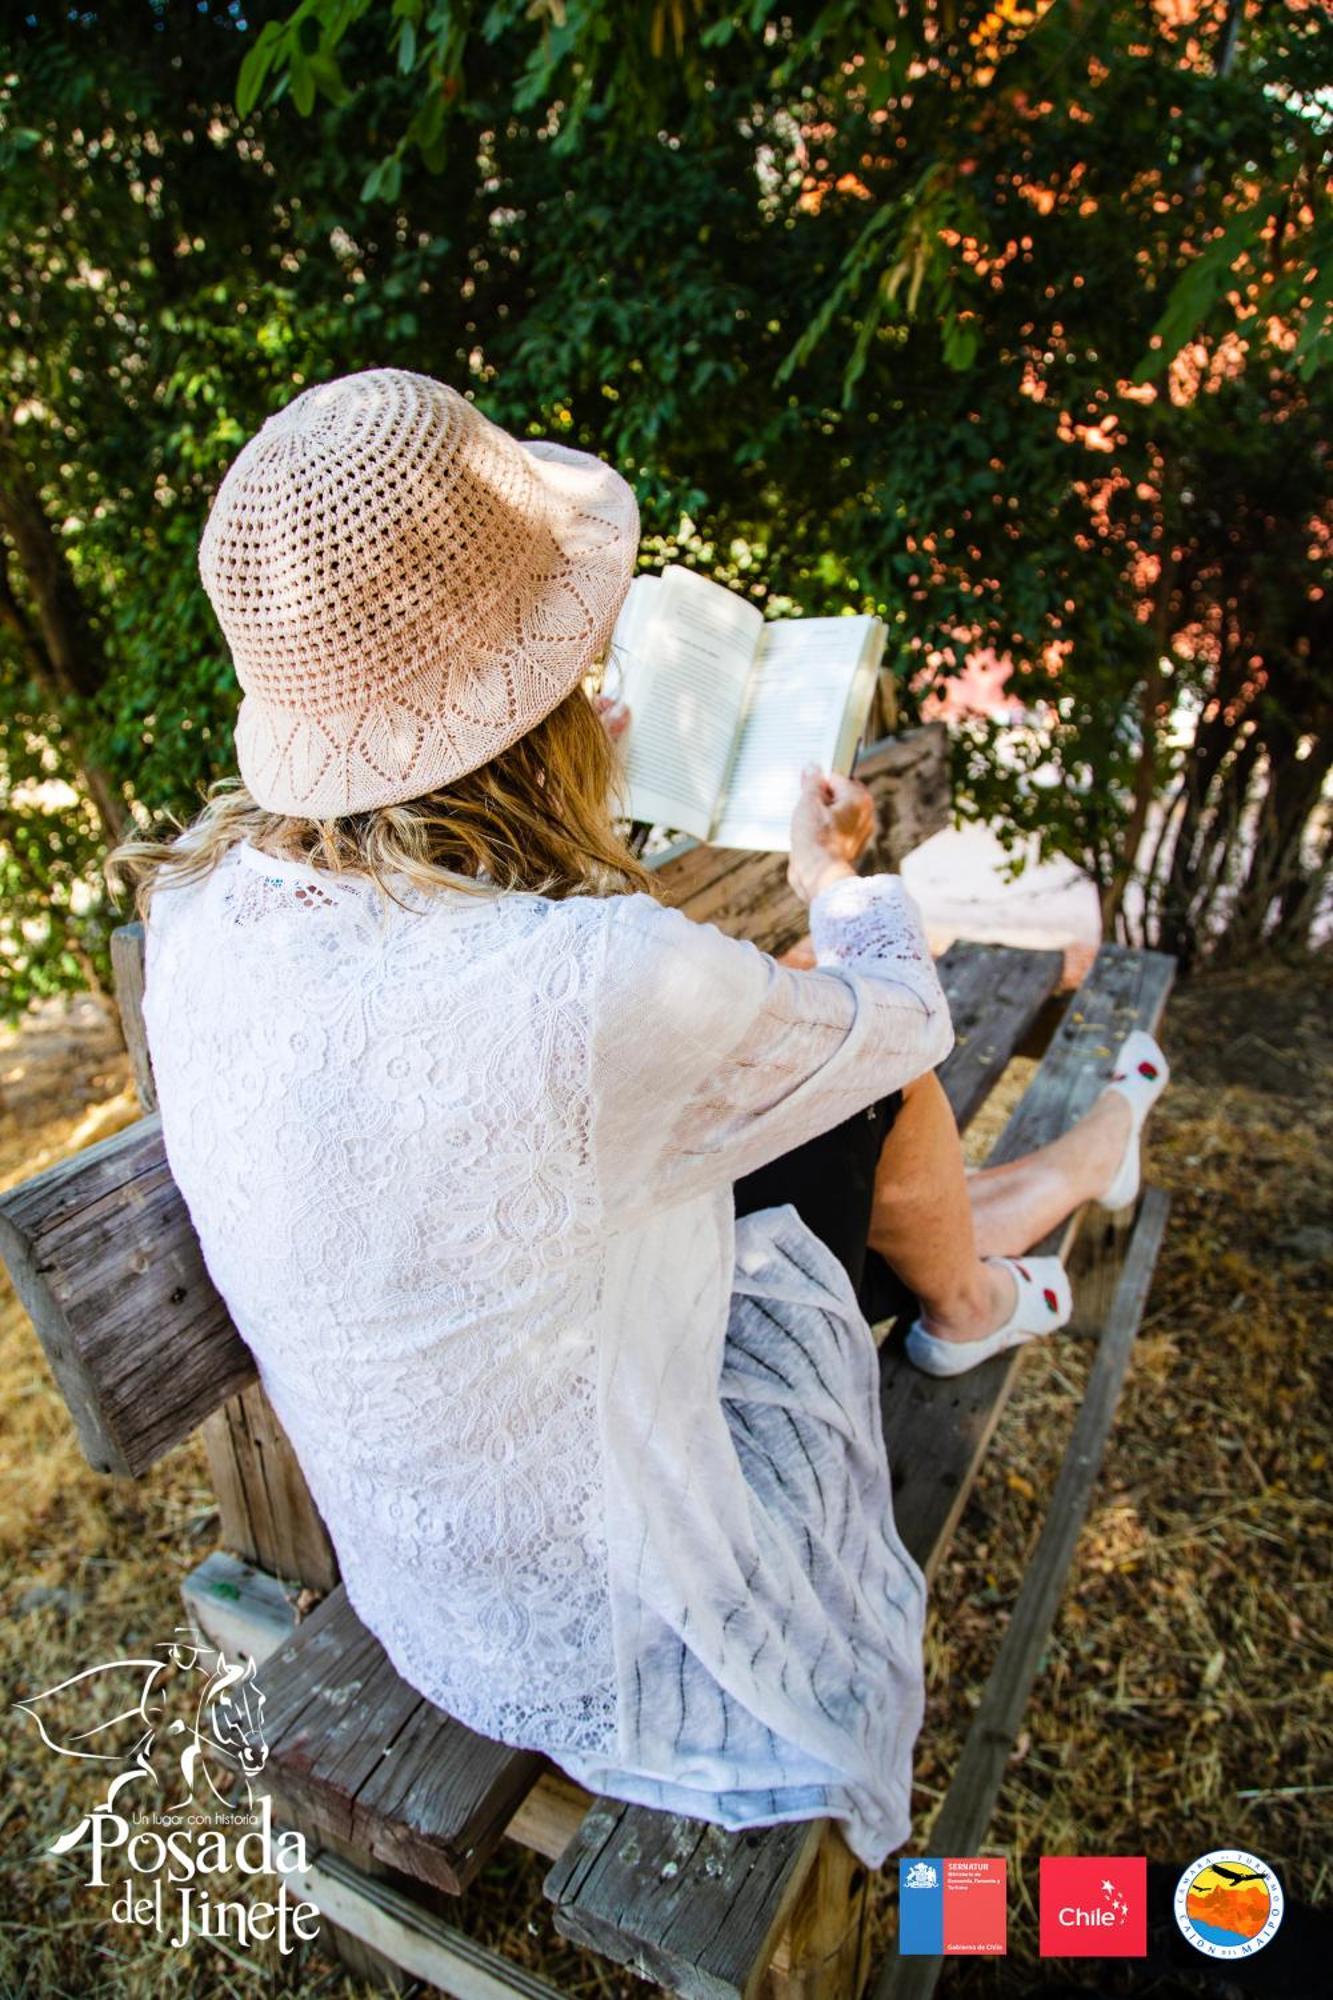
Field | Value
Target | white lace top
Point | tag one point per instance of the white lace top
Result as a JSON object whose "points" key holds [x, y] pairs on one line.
{"points": [[603, 1466]]}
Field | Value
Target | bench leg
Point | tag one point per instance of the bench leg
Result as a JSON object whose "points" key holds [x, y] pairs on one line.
{"points": [[372, 1967], [266, 1513], [1095, 1265], [822, 1953], [243, 1610], [380, 1972]]}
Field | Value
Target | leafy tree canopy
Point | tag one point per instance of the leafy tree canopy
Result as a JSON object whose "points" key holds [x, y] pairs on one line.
{"points": [[1011, 324]]}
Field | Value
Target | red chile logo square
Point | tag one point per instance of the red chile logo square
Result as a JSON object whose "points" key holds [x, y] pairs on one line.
{"points": [[1094, 1906]]}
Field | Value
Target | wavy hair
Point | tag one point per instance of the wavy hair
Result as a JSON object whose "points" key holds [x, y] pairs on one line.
{"points": [[538, 817]]}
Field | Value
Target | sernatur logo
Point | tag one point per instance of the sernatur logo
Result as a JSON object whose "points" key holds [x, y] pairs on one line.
{"points": [[1094, 1906]]}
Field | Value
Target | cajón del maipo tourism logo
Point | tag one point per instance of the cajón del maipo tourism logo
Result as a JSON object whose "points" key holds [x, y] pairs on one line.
{"points": [[1228, 1903]]}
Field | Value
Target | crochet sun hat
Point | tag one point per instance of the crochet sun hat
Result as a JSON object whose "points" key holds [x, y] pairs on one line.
{"points": [[405, 588]]}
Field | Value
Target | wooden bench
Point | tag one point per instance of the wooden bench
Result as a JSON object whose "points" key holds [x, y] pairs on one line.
{"points": [[402, 1806]]}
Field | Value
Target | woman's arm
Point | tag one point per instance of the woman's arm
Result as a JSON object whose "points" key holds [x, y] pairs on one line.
{"points": [[711, 1058]]}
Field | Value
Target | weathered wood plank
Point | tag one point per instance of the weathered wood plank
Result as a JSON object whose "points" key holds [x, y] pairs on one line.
{"points": [[356, 1953], [689, 867], [1125, 989], [105, 1259], [937, 1431], [822, 1952], [422, 1943], [460, 1787], [632, 1886], [909, 778], [319, 1663], [127, 972], [972, 1795], [744, 894], [910, 754], [995, 993], [962, 1820], [1095, 1265], [357, 1754], [883, 717], [266, 1511], [246, 1613], [550, 1815]]}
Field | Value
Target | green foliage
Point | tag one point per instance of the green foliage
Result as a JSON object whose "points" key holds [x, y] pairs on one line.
{"points": [[601, 75], [875, 306], [174, 280], [1025, 217], [54, 922]]}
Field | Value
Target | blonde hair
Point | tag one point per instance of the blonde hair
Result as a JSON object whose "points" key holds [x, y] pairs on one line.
{"points": [[539, 817]]}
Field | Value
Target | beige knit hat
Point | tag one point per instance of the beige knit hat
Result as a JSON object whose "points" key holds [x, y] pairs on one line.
{"points": [[405, 588]]}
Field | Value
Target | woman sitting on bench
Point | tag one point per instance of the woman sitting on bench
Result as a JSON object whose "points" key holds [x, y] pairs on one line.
{"points": [[552, 1218]]}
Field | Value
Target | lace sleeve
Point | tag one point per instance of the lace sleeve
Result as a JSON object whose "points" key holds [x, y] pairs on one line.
{"points": [[711, 1058], [870, 924]]}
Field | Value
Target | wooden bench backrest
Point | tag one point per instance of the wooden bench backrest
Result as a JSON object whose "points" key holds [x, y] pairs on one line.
{"points": [[104, 1256]]}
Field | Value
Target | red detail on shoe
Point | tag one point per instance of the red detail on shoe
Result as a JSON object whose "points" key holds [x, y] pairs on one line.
{"points": [[1148, 1069], [1051, 1300]]}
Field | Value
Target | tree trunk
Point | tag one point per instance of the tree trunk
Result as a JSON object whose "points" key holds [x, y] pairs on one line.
{"points": [[1150, 706], [61, 650], [1222, 831], [1230, 40], [1145, 790], [1295, 785], [1302, 901], [1215, 740]]}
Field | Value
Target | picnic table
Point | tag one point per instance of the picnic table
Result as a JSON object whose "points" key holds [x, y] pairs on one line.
{"points": [[402, 1806]]}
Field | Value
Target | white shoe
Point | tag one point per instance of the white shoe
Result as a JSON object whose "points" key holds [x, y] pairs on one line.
{"points": [[1044, 1303], [1140, 1076]]}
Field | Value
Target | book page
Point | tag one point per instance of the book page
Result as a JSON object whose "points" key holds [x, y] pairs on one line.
{"points": [[686, 659], [809, 700]]}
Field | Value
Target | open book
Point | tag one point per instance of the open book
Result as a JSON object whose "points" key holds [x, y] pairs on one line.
{"points": [[726, 706]]}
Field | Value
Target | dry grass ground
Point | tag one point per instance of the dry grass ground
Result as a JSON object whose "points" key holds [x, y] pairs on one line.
{"points": [[1184, 1701], [1184, 1698]]}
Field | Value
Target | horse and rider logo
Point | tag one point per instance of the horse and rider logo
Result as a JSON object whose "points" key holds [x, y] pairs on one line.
{"points": [[180, 1732], [119, 1714]]}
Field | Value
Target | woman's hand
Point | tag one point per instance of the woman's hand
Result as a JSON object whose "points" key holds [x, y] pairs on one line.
{"points": [[832, 823], [614, 713], [801, 954]]}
